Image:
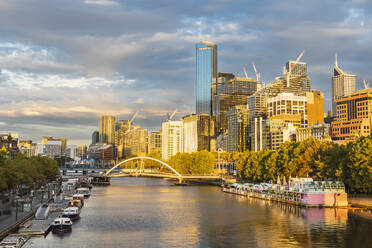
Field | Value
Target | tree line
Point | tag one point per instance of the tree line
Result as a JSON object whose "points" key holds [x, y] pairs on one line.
{"points": [[22, 170], [320, 160]]}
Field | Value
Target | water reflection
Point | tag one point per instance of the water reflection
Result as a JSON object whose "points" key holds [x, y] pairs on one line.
{"points": [[138, 212]]}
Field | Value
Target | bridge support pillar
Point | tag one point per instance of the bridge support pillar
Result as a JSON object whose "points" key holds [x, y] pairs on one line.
{"points": [[180, 180]]}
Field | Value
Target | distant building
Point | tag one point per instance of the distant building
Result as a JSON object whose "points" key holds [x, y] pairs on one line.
{"points": [[62, 140], [315, 107], [154, 143], [72, 152], [28, 148], [320, 131], [53, 148], [135, 141], [95, 137], [107, 129], [287, 105], [10, 142], [233, 91], [353, 116], [237, 129], [198, 131], [206, 76], [82, 152], [280, 132], [171, 138], [342, 84], [259, 134]]}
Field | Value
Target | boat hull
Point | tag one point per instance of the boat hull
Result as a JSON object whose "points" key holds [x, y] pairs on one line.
{"points": [[73, 217], [61, 228]]}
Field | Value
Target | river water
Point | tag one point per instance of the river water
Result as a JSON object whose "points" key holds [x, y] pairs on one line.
{"points": [[145, 212]]}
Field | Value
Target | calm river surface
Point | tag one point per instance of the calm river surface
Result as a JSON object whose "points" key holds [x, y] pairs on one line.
{"points": [[144, 212]]}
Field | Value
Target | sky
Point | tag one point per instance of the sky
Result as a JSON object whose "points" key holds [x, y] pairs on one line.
{"points": [[64, 63]]}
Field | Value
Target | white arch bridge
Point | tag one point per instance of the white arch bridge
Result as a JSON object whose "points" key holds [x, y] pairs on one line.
{"points": [[142, 172]]}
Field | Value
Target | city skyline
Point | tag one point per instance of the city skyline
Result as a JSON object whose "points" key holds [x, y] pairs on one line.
{"points": [[78, 74]]}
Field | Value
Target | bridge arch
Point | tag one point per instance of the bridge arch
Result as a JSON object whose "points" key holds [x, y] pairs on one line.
{"points": [[149, 158]]}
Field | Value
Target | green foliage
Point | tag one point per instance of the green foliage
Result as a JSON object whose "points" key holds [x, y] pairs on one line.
{"points": [[196, 163], [318, 159], [23, 170]]}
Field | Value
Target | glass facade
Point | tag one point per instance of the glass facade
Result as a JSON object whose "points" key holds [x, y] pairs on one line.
{"points": [[206, 76]]}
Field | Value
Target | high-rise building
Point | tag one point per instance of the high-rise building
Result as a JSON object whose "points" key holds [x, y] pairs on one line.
{"points": [[82, 151], [95, 137], [315, 107], [154, 143], [237, 131], [231, 91], [51, 138], [121, 128], [71, 151], [342, 84], [353, 116], [259, 134], [171, 138], [53, 148], [107, 129], [198, 131], [135, 141], [287, 106], [206, 76]]}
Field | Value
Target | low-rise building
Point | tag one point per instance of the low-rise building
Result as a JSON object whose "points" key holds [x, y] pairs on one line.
{"points": [[9, 141], [320, 131]]}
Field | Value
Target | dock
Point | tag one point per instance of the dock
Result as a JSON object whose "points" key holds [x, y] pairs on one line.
{"points": [[40, 227]]}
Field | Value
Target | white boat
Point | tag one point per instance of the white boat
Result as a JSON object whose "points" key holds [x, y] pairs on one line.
{"points": [[61, 225], [83, 191], [73, 213]]}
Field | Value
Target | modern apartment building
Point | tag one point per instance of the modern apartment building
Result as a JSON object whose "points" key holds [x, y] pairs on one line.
{"points": [[237, 131], [107, 129], [198, 131], [171, 138]]}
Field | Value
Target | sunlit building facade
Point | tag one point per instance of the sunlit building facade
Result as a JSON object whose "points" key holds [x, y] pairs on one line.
{"points": [[198, 131], [154, 143], [237, 132], [171, 138], [353, 116], [342, 84], [206, 76], [107, 129]]}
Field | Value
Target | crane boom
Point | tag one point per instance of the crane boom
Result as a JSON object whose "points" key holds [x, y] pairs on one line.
{"points": [[258, 75], [366, 84], [172, 115], [134, 116], [245, 72], [298, 59]]}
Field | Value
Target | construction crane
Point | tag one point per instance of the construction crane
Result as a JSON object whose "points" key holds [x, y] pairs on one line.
{"points": [[289, 72], [258, 75], [169, 117], [366, 84], [131, 121], [245, 72]]}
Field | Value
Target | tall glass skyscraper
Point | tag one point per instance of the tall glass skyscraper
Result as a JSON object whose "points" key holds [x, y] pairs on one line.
{"points": [[206, 76]]}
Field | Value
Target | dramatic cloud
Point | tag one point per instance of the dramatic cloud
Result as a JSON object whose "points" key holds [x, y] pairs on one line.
{"points": [[63, 63]]}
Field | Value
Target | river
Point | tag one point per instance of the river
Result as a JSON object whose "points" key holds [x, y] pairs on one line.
{"points": [[145, 212]]}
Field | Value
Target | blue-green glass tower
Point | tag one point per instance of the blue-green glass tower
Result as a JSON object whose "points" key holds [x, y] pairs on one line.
{"points": [[206, 75]]}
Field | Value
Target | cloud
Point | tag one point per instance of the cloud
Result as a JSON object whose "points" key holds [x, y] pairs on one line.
{"points": [[63, 63], [101, 2]]}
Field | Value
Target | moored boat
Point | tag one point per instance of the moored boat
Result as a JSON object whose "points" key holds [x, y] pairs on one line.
{"points": [[73, 213], [61, 225], [13, 241], [79, 197], [83, 191]]}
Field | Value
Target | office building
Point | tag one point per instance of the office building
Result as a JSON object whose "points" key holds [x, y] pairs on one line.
{"points": [[320, 131], [107, 129], [53, 148], [206, 76], [342, 84], [154, 143], [288, 107], [51, 138], [259, 134], [135, 141], [353, 116], [231, 91], [237, 131], [281, 132], [198, 131], [171, 138], [95, 137], [315, 107], [82, 152]]}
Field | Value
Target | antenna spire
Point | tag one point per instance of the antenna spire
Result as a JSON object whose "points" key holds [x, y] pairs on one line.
{"points": [[336, 60]]}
